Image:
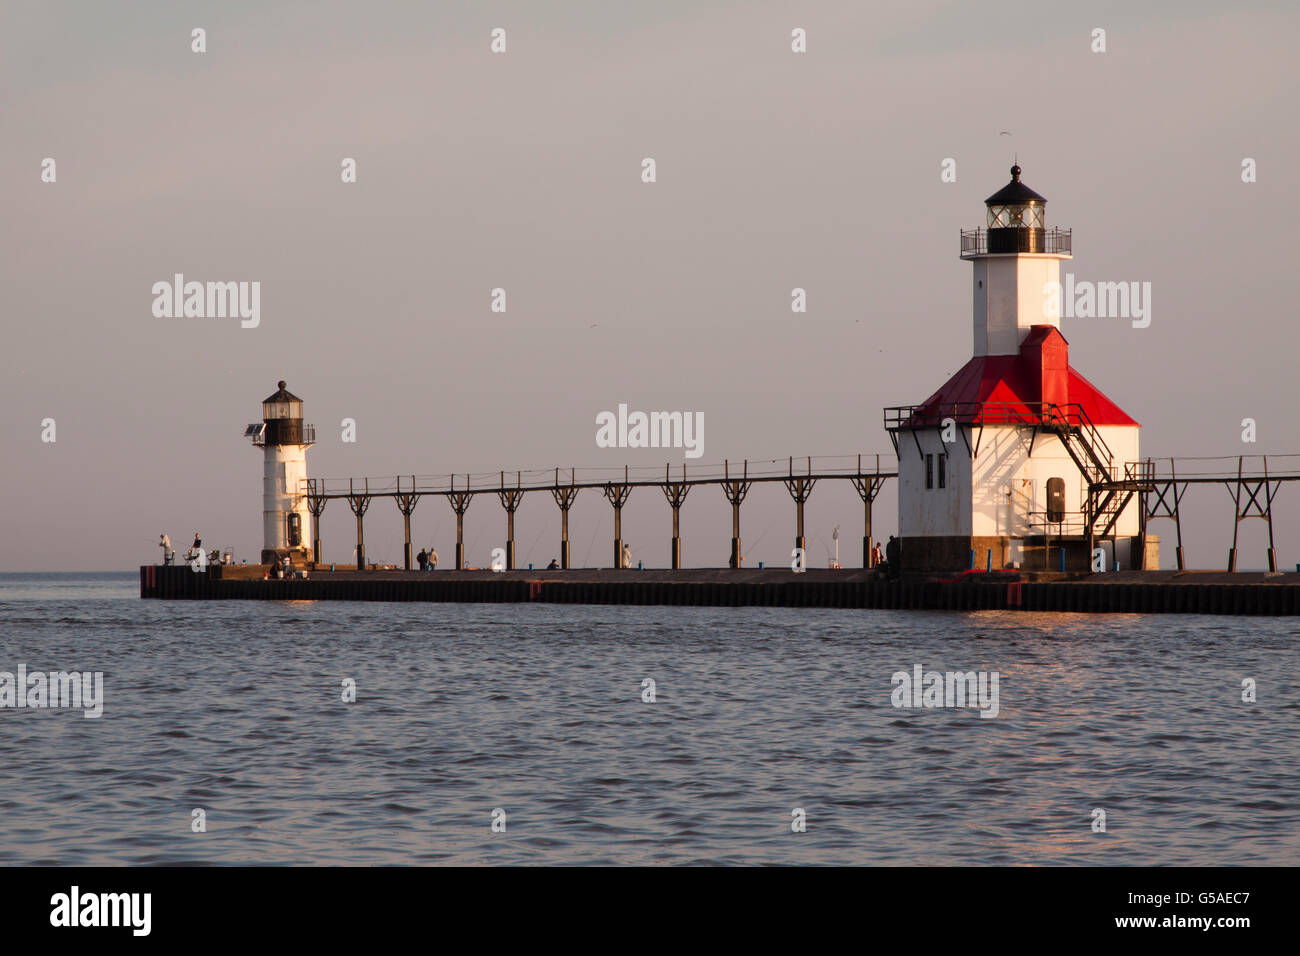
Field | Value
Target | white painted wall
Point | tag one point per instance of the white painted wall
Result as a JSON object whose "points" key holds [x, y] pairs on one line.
{"points": [[1003, 491], [937, 511], [284, 468], [1010, 485], [1009, 299]]}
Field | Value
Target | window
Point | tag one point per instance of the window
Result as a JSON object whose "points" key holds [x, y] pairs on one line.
{"points": [[929, 471], [943, 470], [1016, 216], [295, 529]]}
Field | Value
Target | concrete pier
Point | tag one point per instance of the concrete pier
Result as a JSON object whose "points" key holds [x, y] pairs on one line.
{"points": [[1145, 592]]}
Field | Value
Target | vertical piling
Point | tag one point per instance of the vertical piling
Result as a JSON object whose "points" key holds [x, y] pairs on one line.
{"points": [[406, 502], [459, 501], [735, 492], [617, 495], [359, 503], [564, 498], [676, 494], [510, 500], [868, 487], [800, 488]]}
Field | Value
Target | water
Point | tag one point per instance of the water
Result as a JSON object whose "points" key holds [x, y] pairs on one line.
{"points": [[236, 708]]}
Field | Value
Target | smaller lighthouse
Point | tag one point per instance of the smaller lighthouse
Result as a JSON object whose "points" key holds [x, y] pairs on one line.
{"points": [[284, 440]]}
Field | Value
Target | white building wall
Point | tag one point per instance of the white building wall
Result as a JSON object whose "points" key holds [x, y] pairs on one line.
{"points": [[284, 468], [933, 511], [1009, 299], [1009, 487]]}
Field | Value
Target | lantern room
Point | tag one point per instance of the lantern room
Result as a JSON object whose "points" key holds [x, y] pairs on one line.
{"points": [[1016, 218]]}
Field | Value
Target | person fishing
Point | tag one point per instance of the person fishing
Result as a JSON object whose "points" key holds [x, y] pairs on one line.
{"points": [[892, 550]]}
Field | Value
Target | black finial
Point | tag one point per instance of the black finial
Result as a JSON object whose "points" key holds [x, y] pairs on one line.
{"points": [[281, 382], [1015, 173]]}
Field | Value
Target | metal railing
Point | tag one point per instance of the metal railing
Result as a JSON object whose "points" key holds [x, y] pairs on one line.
{"points": [[542, 479], [1223, 468], [934, 414], [308, 436], [1056, 241]]}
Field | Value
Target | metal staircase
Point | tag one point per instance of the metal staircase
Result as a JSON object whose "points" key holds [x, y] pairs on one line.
{"points": [[1108, 494]]}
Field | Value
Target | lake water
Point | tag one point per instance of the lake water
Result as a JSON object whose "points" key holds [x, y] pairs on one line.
{"points": [[537, 710]]}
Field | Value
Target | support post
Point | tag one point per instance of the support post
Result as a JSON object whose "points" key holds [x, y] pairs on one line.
{"points": [[459, 501], [800, 488], [617, 495], [316, 505], [1140, 559], [564, 498], [510, 500], [1268, 504], [406, 502], [676, 494], [359, 503], [868, 487], [1236, 519], [735, 490]]}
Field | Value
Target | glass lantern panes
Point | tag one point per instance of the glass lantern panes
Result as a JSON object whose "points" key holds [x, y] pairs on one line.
{"points": [[273, 410], [1016, 216]]}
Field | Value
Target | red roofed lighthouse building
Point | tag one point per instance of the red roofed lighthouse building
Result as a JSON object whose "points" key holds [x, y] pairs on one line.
{"points": [[1017, 453]]}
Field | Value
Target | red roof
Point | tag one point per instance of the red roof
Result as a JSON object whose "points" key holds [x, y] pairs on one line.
{"points": [[1014, 385]]}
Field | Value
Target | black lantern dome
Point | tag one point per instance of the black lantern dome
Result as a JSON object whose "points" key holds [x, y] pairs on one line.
{"points": [[1017, 217], [282, 413]]}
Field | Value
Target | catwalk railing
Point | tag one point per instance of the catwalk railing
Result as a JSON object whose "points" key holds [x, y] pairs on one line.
{"points": [[868, 474], [1252, 481], [1157, 486]]}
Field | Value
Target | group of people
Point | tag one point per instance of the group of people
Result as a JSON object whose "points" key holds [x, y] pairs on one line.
{"points": [[169, 554], [196, 555], [887, 563]]}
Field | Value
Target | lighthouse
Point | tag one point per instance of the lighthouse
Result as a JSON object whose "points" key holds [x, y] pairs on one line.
{"points": [[283, 439], [1017, 460]]}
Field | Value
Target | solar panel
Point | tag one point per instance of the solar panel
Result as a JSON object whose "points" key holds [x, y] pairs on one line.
{"points": [[255, 430]]}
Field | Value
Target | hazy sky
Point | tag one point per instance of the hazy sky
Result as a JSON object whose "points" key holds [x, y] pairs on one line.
{"points": [[522, 170]]}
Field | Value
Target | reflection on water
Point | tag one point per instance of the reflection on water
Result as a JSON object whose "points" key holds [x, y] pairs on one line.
{"points": [[236, 708]]}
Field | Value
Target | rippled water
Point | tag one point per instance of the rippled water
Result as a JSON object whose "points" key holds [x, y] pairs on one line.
{"points": [[461, 709]]}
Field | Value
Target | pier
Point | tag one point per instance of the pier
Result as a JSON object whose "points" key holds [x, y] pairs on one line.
{"points": [[1158, 486], [1146, 592]]}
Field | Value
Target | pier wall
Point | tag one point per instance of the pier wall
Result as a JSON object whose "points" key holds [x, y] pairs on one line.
{"points": [[1121, 592]]}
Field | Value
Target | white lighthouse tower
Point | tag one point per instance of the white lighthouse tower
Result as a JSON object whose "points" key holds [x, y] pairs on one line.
{"points": [[284, 440], [1018, 460]]}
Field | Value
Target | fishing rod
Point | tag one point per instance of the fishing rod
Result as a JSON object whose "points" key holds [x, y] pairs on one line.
{"points": [[529, 554], [595, 531]]}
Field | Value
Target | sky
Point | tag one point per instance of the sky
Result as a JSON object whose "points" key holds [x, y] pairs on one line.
{"points": [[522, 170]]}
